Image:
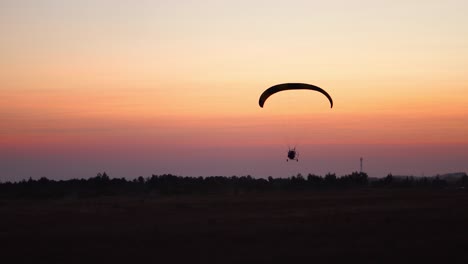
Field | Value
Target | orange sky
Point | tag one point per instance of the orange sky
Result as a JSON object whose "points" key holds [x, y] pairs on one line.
{"points": [[123, 75]]}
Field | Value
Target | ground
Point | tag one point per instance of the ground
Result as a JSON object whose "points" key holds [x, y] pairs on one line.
{"points": [[369, 225]]}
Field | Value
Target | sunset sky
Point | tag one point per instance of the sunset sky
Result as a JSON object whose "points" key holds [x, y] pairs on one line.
{"points": [[136, 88]]}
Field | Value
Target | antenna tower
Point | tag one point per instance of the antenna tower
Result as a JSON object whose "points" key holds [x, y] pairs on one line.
{"points": [[361, 164]]}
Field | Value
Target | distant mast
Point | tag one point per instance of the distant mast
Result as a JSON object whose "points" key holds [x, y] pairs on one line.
{"points": [[361, 165]]}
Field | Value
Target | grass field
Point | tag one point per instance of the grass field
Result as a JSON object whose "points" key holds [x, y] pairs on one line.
{"points": [[369, 225]]}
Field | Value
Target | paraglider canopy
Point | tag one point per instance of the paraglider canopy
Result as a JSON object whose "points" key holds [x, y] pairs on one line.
{"points": [[291, 86]]}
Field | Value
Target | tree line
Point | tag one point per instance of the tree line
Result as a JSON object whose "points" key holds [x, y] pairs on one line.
{"points": [[168, 184]]}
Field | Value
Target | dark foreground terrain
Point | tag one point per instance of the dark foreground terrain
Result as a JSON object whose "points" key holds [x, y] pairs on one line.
{"points": [[369, 225]]}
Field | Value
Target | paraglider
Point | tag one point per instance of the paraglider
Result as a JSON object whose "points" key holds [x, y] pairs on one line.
{"points": [[292, 153], [291, 86]]}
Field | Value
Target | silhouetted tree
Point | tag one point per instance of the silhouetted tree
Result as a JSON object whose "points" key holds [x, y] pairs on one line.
{"points": [[168, 184], [330, 179], [314, 181], [464, 181], [388, 180]]}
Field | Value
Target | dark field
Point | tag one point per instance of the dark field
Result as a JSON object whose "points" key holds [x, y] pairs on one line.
{"points": [[371, 225]]}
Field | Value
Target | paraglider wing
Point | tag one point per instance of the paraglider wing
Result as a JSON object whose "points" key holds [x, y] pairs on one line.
{"points": [[291, 86]]}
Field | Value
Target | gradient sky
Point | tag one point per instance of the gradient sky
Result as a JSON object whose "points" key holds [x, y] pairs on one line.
{"points": [[150, 87]]}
